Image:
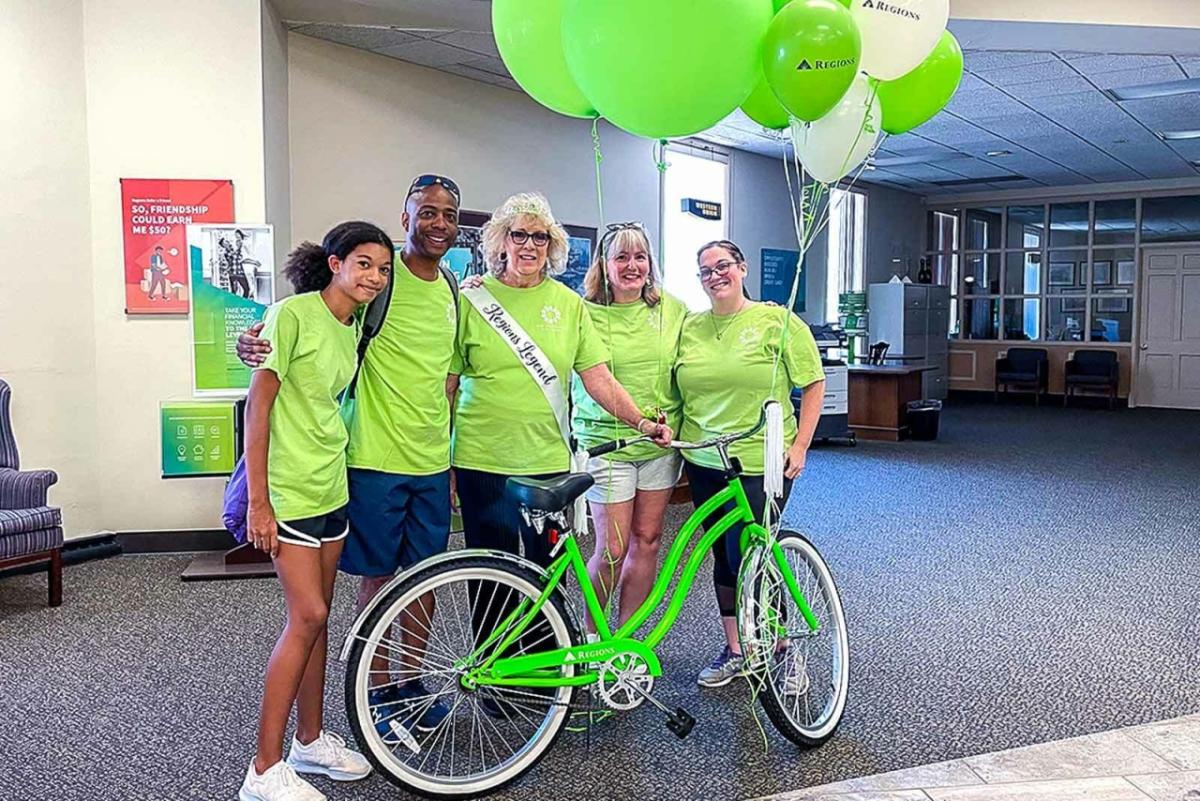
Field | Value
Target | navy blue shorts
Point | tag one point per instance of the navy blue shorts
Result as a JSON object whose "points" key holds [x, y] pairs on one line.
{"points": [[395, 521]]}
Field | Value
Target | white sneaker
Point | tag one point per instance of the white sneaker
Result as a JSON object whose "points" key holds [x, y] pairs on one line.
{"points": [[278, 783], [329, 756]]}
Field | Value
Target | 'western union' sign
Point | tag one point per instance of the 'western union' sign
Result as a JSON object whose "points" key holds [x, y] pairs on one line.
{"points": [[704, 209]]}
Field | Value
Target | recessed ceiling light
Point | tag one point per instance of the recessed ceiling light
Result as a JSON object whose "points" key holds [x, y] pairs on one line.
{"points": [[993, 154], [1172, 136], [1163, 89]]}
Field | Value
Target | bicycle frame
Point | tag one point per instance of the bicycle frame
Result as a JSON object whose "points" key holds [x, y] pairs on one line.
{"points": [[542, 668]]}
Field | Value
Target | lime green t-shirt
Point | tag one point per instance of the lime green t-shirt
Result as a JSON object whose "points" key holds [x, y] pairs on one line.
{"points": [[401, 420], [644, 342], [502, 420], [313, 353], [725, 379]]}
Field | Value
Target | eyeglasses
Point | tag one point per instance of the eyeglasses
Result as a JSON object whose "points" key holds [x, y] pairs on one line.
{"points": [[718, 269], [519, 237], [422, 181]]}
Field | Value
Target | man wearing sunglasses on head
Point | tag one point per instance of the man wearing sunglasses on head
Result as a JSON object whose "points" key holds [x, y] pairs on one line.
{"points": [[399, 452]]}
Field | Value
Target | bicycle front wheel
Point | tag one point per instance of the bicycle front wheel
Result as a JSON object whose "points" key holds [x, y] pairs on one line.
{"points": [[411, 713], [805, 674]]}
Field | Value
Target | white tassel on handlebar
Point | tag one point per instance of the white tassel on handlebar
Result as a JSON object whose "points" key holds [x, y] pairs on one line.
{"points": [[773, 451]]}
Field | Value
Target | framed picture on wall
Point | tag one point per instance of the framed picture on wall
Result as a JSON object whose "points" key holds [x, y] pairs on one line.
{"points": [[1073, 304], [1102, 273], [1126, 272], [582, 241], [1062, 273], [1117, 305]]}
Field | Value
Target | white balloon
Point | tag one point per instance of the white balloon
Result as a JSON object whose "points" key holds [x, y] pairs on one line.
{"points": [[897, 35], [833, 146]]}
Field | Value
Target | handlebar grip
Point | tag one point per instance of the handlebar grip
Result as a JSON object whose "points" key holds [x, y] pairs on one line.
{"points": [[607, 447]]}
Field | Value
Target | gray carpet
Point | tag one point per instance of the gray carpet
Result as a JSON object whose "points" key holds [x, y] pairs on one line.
{"points": [[1032, 575]]}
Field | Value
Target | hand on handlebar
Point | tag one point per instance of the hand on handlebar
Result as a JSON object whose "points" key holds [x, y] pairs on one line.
{"points": [[661, 435]]}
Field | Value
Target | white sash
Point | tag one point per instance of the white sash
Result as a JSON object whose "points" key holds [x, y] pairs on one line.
{"points": [[540, 369]]}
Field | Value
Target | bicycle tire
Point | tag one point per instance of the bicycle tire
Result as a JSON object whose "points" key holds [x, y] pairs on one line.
{"points": [[782, 681], [382, 755]]}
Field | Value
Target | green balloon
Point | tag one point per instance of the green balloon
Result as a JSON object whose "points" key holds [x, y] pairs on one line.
{"points": [[779, 4], [529, 37], [811, 55], [763, 107], [664, 68], [917, 96]]}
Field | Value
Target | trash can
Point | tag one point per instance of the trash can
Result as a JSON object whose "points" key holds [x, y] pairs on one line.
{"points": [[923, 419]]}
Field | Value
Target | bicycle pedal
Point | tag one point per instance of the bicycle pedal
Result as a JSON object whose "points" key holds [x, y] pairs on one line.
{"points": [[680, 723]]}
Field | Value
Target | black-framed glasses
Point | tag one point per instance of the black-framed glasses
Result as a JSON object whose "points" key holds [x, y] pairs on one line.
{"points": [[519, 237], [429, 179], [718, 269]]}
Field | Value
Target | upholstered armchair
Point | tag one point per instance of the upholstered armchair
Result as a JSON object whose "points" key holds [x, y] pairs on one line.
{"points": [[1024, 368], [30, 531], [1092, 369]]}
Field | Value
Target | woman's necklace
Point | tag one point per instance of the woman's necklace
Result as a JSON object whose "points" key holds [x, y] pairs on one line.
{"points": [[732, 318]]}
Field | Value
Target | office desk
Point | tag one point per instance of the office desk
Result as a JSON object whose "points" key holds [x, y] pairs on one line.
{"points": [[879, 396]]}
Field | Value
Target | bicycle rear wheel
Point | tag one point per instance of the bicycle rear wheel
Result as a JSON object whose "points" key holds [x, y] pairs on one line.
{"points": [[483, 738], [804, 675]]}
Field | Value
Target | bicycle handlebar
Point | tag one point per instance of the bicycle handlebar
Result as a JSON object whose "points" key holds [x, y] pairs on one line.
{"points": [[716, 442]]}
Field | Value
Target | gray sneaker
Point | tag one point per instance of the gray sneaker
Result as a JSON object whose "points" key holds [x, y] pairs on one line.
{"points": [[722, 670]]}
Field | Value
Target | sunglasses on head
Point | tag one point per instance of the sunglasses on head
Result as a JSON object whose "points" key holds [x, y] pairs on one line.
{"points": [[422, 181]]}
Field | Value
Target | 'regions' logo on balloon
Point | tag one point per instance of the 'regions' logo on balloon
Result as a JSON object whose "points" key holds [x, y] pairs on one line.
{"points": [[891, 9], [818, 64]]}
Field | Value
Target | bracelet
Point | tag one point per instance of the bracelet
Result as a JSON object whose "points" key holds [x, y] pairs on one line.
{"points": [[639, 425]]}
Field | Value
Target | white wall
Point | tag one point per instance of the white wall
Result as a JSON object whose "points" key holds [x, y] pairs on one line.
{"points": [[47, 350], [363, 125], [174, 90], [276, 161]]}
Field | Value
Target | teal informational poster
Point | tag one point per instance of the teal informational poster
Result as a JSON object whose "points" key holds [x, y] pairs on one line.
{"points": [[198, 438], [233, 282], [777, 275]]}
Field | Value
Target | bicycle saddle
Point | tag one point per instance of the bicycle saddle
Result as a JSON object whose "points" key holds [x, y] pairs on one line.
{"points": [[549, 495]]}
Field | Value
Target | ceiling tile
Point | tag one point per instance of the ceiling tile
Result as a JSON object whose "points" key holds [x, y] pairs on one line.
{"points": [[1188, 148], [491, 65], [1018, 126], [365, 37], [1043, 71], [1071, 85], [977, 167], [1098, 64], [983, 60], [1181, 112], [484, 76], [1140, 76], [429, 53], [483, 43], [985, 103], [1192, 68]]}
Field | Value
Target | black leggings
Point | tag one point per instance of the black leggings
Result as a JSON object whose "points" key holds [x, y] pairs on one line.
{"points": [[705, 482], [491, 520]]}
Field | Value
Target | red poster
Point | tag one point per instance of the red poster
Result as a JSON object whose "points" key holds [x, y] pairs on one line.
{"points": [[155, 214]]}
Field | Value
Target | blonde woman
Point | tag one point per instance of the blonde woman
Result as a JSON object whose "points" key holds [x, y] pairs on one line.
{"points": [[640, 326], [521, 334]]}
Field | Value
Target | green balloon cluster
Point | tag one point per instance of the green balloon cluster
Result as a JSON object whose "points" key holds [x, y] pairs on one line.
{"points": [[671, 68]]}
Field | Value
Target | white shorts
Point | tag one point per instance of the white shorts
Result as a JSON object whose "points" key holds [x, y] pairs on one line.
{"points": [[617, 482]]}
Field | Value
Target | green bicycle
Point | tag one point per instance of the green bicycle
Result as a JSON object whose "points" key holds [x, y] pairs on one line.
{"points": [[499, 645]]}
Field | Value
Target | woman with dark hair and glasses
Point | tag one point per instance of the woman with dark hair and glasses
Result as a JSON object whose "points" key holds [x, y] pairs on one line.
{"points": [[521, 334], [639, 325], [731, 359]]}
